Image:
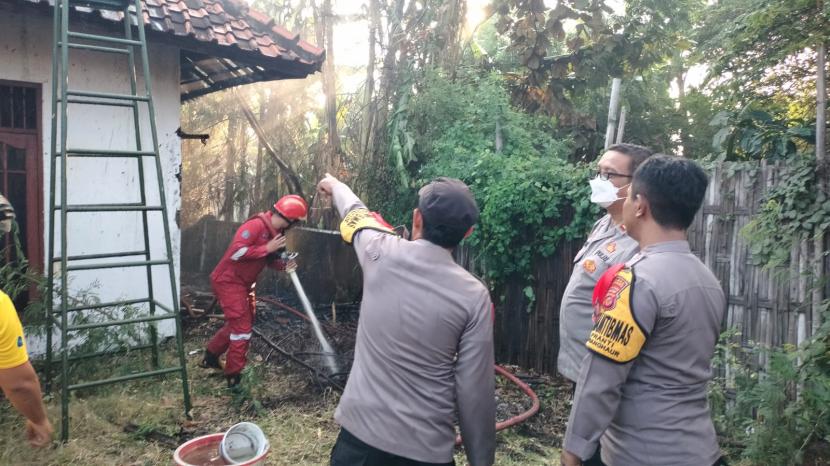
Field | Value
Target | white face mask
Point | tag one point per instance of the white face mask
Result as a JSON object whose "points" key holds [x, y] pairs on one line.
{"points": [[603, 192], [5, 226]]}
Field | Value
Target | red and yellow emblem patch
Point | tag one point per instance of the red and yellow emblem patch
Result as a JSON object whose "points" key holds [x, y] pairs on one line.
{"points": [[614, 291], [611, 247], [590, 266], [358, 219], [616, 334]]}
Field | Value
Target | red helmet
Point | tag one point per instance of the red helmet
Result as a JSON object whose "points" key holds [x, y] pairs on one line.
{"points": [[292, 207]]}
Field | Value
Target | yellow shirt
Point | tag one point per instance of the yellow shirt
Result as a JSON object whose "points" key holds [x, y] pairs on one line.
{"points": [[12, 343]]}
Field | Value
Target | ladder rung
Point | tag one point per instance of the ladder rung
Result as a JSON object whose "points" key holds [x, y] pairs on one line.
{"points": [[115, 265], [163, 307], [109, 208], [112, 40], [115, 323], [111, 5], [107, 153], [124, 378], [95, 48], [105, 353], [107, 95], [100, 102], [100, 256], [91, 307]]}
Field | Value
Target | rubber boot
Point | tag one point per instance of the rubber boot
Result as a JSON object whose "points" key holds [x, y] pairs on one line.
{"points": [[210, 361], [233, 381]]}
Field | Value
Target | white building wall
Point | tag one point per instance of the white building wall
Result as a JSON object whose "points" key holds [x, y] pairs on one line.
{"points": [[25, 55]]}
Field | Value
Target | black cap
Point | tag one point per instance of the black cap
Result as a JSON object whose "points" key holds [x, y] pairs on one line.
{"points": [[448, 202]]}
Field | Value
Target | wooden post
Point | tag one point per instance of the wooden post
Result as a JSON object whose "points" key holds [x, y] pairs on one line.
{"points": [[621, 127], [499, 137], [821, 156], [613, 110]]}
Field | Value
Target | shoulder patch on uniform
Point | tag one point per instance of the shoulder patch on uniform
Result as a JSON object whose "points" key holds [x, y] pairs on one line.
{"points": [[611, 247], [616, 334], [589, 265], [359, 219], [246, 234], [19, 342]]}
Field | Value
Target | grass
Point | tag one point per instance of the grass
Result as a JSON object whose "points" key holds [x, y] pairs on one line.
{"points": [[141, 422]]}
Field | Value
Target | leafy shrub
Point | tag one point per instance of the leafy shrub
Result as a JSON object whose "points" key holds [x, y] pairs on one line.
{"points": [[778, 411], [530, 197]]}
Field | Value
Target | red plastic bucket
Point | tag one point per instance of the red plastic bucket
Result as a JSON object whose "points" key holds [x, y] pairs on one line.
{"points": [[204, 451]]}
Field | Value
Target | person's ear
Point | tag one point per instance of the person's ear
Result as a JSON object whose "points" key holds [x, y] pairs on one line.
{"points": [[641, 206]]}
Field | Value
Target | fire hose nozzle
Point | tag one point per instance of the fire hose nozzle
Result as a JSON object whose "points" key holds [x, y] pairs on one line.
{"points": [[288, 255]]}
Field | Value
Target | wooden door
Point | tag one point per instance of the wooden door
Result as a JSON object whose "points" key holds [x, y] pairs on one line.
{"points": [[21, 179]]}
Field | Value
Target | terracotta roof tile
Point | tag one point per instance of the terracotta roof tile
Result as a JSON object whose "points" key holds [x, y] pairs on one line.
{"points": [[176, 16], [261, 18], [228, 29], [206, 20], [201, 24], [285, 33], [204, 35], [270, 51], [226, 39], [197, 12], [242, 34], [240, 25]]}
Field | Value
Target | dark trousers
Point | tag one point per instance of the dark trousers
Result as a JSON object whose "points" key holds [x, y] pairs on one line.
{"points": [[351, 451]]}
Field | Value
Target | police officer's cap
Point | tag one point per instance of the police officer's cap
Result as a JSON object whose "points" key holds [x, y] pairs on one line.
{"points": [[448, 202]]}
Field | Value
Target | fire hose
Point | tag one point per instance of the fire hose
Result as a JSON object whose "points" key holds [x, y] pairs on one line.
{"points": [[534, 408]]}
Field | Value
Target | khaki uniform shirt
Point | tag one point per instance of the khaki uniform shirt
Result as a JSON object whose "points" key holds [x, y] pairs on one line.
{"points": [[651, 410], [424, 350], [607, 244]]}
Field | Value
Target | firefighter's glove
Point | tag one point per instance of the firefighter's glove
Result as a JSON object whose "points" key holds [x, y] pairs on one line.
{"points": [[291, 266]]}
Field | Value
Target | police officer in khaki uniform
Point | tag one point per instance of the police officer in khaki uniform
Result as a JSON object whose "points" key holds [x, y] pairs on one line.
{"points": [[424, 349], [607, 244], [641, 392]]}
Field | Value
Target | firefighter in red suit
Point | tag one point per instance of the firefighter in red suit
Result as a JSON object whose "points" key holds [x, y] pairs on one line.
{"points": [[257, 243]]}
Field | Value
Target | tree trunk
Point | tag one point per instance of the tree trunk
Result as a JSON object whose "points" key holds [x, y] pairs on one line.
{"points": [[386, 90], [821, 167], [680, 79], [256, 199], [368, 99], [324, 30], [393, 38], [230, 169], [613, 111], [449, 50], [621, 125], [288, 173]]}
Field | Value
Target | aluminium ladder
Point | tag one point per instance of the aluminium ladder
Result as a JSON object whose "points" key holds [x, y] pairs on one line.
{"points": [[58, 314]]}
